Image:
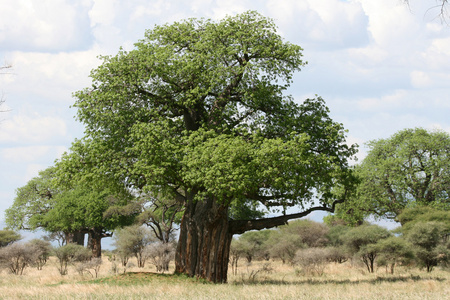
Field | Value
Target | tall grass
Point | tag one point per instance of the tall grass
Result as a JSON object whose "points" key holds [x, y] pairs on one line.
{"points": [[256, 281]]}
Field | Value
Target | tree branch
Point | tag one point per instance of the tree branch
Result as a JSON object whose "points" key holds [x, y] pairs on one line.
{"points": [[241, 226]]}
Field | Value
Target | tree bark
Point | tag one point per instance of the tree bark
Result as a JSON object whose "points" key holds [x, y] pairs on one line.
{"points": [[206, 232], [75, 237], [204, 243], [96, 243]]}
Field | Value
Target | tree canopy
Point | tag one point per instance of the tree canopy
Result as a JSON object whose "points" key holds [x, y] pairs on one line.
{"points": [[196, 112], [411, 168], [74, 208]]}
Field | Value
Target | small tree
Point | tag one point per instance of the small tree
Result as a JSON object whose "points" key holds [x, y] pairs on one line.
{"points": [[393, 250], [69, 254], [17, 256], [160, 255], [427, 239], [93, 264], [235, 253], [284, 245], [253, 243], [359, 241], [285, 241], [132, 240], [8, 237], [44, 248]]}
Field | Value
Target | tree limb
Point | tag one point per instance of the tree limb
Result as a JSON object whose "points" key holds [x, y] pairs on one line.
{"points": [[241, 226]]}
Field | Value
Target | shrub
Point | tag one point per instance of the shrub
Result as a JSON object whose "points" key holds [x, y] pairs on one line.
{"points": [[8, 237], [392, 251], [360, 241], [427, 237], [160, 255], [93, 265], [44, 248], [17, 256], [69, 254], [131, 241], [338, 254], [312, 260]]}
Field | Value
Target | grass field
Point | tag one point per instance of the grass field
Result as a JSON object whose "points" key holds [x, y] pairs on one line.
{"points": [[339, 282]]}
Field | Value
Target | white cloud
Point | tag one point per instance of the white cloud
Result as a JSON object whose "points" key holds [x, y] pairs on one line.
{"points": [[45, 25], [31, 153], [32, 171], [324, 24], [49, 76], [28, 129], [420, 79]]}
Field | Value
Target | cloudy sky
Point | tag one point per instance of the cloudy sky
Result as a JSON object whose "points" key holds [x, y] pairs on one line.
{"points": [[380, 65]]}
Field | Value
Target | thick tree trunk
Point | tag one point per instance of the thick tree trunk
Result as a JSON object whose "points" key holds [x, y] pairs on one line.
{"points": [[75, 238], [204, 243], [205, 236], [95, 237]]}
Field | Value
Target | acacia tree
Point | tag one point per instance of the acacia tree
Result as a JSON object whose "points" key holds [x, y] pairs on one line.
{"points": [[196, 112], [8, 236], [411, 168], [33, 201], [76, 208], [361, 241], [82, 209]]}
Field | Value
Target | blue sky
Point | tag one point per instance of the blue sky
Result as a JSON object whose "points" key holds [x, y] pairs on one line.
{"points": [[381, 66]]}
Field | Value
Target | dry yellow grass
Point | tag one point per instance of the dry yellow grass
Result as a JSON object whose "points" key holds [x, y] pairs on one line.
{"points": [[338, 282]]}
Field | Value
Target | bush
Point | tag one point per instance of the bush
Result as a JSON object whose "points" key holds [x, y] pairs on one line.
{"points": [[131, 241], [360, 241], [93, 265], [392, 251], [44, 248], [69, 254], [427, 237], [8, 237], [17, 256], [312, 260], [338, 254], [160, 255]]}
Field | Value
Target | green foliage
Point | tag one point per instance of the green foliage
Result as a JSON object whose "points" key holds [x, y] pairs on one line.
{"points": [[288, 239], [393, 250], [253, 244], [82, 208], [360, 241], [312, 234], [409, 169], [410, 216], [429, 243], [75, 207], [357, 237], [8, 236], [426, 235], [336, 234], [197, 107], [32, 201]]}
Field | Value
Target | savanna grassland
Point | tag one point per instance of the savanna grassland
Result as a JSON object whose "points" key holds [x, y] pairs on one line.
{"points": [[259, 280]]}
